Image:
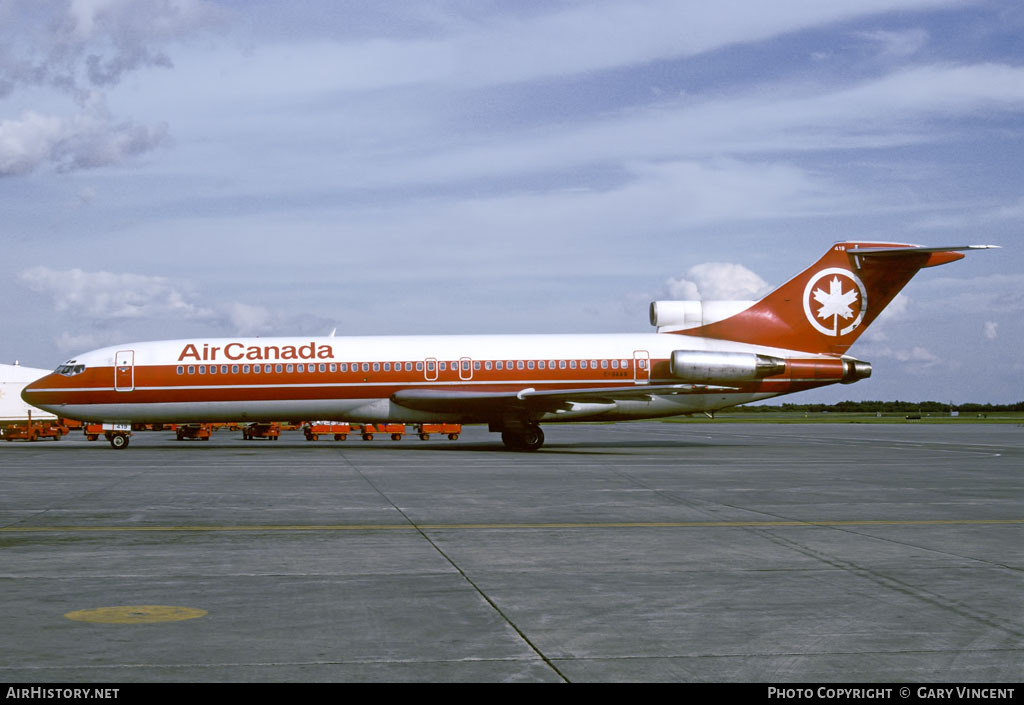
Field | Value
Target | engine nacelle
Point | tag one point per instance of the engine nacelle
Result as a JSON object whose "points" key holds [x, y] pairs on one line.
{"points": [[708, 366], [854, 370], [680, 315]]}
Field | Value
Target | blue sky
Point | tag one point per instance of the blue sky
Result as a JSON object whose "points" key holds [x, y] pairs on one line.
{"points": [[179, 168]]}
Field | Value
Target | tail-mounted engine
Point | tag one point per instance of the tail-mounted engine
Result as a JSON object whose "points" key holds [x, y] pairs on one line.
{"points": [[706, 367], [716, 367], [670, 316]]}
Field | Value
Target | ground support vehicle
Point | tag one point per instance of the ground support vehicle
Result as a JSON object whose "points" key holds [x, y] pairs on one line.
{"points": [[452, 430], [270, 431], [30, 430], [367, 431], [194, 431], [117, 434], [315, 429]]}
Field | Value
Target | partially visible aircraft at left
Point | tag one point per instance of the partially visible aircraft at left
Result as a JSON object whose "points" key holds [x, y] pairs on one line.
{"points": [[705, 356]]}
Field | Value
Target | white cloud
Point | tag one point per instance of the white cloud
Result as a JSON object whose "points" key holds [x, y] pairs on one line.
{"points": [[70, 343], [897, 44], [900, 108], [106, 301], [991, 329], [918, 356], [87, 140], [718, 281], [78, 50], [570, 39], [106, 295], [248, 319], [27, 142], [74, 47]]}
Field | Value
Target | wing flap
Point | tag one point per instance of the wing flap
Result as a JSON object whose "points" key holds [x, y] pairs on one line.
{"points": [[458, 402]]}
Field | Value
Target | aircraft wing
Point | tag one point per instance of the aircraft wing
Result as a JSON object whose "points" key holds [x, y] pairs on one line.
{"points": [[457, 402]]}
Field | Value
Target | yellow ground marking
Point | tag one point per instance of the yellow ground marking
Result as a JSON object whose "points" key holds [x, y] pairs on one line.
{"points": [[511, 526], [136, 614]]}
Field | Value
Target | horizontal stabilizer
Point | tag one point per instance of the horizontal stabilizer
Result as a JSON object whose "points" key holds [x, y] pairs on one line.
{"points": [[911, 249]]}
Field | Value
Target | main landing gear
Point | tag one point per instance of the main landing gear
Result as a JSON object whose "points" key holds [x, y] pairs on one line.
{"points": [[528, 437]]}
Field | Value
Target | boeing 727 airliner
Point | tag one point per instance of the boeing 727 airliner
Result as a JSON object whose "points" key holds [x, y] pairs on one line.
{"points": [[705, 356]]}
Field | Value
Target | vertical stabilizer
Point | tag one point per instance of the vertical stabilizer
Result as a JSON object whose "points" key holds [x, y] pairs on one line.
{"points": [[825, 308]]}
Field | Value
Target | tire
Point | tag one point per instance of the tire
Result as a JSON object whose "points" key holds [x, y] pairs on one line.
{"points": [[367, 436], [424, 436], [529, 438], [453, 436], [119, 441]]}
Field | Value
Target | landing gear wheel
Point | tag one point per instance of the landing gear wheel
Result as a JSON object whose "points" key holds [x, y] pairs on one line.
{"points": [[528, 438]]}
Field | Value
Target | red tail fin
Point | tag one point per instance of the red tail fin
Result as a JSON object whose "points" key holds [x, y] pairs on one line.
{"points": [[825, 308]]}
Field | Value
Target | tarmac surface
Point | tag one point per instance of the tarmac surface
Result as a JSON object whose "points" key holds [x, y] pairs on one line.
{"points": [[630, 552]]}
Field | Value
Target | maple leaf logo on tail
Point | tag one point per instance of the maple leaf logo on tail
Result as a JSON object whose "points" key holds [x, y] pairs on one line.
{"points": [[841, 303], [835, 303]]}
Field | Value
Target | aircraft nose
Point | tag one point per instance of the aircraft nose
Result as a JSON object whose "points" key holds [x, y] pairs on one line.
{"points": [[30, 393]]}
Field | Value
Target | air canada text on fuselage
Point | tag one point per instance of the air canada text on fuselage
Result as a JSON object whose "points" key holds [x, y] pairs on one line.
{"points": [[242, 351]]}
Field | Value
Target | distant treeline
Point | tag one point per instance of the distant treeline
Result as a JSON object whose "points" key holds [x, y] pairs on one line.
{"points": [[896, 407]]}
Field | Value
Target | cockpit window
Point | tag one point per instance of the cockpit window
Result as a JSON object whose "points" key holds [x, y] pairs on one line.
{"points": [[70, 369]]}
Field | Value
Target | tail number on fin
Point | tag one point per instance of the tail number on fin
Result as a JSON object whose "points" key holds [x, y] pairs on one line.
{"points": [[835, 301]]}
